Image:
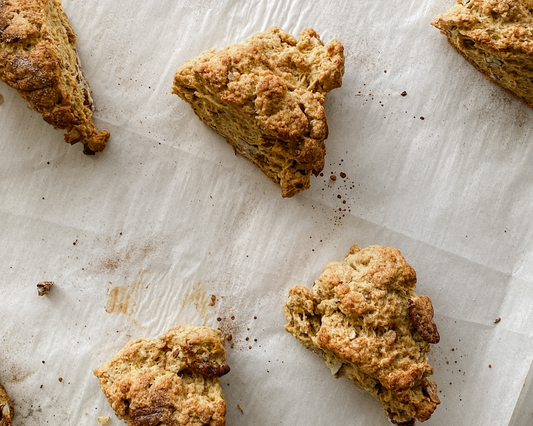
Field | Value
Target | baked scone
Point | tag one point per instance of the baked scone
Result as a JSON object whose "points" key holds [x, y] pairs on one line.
{"points": [[39, 59], [7, 411], [496, 37], [265, 97], [171, 380], [364, 319]]}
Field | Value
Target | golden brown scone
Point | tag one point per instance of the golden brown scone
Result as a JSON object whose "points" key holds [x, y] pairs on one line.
{"points": [[496, 37], [38, 58], [265, 97], [171, 380], [7, 411], [364, 319]]}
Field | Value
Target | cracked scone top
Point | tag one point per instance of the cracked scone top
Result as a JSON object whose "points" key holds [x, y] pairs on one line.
{"points": [[38, 58], [6, 408], [171, 380], [265, 97], [364, 319], [496, 37]]}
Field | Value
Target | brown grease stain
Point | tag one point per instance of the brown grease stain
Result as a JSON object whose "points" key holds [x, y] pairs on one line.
{"points": [[123, 299], [198, 297]]}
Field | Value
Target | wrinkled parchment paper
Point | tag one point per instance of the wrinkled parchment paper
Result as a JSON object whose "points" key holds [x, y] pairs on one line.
{"points": [[138, 238]]}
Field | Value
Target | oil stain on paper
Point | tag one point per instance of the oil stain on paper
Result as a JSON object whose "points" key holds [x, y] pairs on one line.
{"points": [[123, 299], [199, 298]]}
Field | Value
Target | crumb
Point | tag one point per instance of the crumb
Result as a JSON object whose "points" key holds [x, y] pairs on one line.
{"points": [[404, 93], [240, 409], [497, 320], [490, 366], [104, 420], [44, 287], [343, 175], [213, 300], [1, 99], [333, 178], [60, 379], [422, 118]]}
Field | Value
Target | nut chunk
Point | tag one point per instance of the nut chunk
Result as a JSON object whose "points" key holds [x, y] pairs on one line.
{"points": [[364, 319], [39, 59], [171, 380], [6, 408], [265, 97], [495, 37]]}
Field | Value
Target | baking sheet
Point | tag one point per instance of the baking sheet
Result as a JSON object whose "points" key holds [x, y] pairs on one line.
{"points": [[139, 237]]}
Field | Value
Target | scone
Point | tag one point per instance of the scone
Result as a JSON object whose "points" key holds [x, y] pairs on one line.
{"points": [[6, 408], [364, 319], [496, 37], [38, 58], [265, 97], [171, 380]]}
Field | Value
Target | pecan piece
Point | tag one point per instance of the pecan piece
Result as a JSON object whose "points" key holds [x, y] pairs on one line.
{"points": [[430, 390], [149, 416], [421, 312], [410, 422], [208, 369]]}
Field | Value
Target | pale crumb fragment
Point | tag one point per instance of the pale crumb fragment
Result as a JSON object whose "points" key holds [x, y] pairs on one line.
{"points": [[240, 409], [104, 420], [1, 99]]}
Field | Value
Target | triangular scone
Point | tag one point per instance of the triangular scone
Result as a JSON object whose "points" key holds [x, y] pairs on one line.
{"points": [[6, 408], [38, 58], [364, 319], [265, 97], [171, 380], [496, 37]]}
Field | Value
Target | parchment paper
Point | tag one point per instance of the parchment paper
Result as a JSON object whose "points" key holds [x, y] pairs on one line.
{"points": [[139, 237]]}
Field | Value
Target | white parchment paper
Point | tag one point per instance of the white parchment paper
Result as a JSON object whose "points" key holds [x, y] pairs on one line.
{"points": [[139, 237]]}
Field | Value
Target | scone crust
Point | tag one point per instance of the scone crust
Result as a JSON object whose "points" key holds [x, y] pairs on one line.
{"points": [[496, 37], [38, 58], [265, 97], [357, 318], [7, 411], [171, 380]]}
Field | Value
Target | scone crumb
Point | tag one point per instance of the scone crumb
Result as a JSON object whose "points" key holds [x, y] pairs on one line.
{"points": [[44, 287], [497, 320], [104, 420], [1, 99], [240, 409]]}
